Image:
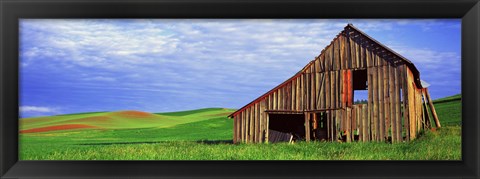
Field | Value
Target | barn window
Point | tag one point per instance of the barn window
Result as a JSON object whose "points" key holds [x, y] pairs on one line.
{"points": [[360, 86]]}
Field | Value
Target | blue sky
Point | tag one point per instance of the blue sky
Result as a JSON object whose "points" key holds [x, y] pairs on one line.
{"points": [[72, 66]]}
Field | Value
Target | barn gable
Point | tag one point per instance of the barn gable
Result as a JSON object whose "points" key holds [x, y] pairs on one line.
{"points": [[323, 91]]}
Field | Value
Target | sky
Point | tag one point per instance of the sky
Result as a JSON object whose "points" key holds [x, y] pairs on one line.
{"points": [[159, 65]]}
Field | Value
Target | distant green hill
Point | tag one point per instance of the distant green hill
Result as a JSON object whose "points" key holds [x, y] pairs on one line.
{"points": [[120, 120], [449, 98], [449, 110]]}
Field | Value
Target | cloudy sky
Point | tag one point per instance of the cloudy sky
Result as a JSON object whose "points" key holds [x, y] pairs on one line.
{"points": [[72, 66]]}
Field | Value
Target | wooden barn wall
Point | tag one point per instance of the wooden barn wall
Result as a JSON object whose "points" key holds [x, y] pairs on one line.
{"points": [[326, 84]]}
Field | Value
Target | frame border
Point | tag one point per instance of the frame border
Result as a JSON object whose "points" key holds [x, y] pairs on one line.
{"points": [[12, 10]]}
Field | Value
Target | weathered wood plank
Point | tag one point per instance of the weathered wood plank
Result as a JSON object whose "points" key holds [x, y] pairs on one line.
{"points": [[375, 104], [349, 88], [393, 104], [302, 91], [247, 126], [235, 129], [257, 130], [370, 97], [381, 107], [252, 125], [360, 122], [299, 94], [364, 123], [406, 111], [262, 120], [280, 98], [306, 90], [334, 89], [342, 59], [348, 122], [386, 97], [432, 108], [354, 122], [397, 106], [318, 81], [332, 124], [347, 55], [267, 128], [335, 59], [343, 91], [357, 52], [327, 90], [313, 98], [274, 100], [307, 127], [322, 91], [269, 102], [425, 110]]}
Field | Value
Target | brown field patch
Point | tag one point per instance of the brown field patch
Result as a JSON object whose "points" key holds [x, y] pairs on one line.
{"points": [[133, 114], [57, 127]]}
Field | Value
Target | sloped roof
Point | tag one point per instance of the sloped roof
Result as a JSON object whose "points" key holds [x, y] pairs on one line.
{"points": [[412, 67]]}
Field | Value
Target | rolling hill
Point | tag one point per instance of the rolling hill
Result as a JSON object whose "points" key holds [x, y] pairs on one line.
{"points": [[118, 120]]}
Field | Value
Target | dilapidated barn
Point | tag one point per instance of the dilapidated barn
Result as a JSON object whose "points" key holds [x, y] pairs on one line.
{"points": [[317, 103]]}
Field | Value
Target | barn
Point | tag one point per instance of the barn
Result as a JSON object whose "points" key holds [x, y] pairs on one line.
{"points": [[317, 103]]}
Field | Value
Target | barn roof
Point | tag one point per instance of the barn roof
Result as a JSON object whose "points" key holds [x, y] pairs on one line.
{"points": [[411, 66]]}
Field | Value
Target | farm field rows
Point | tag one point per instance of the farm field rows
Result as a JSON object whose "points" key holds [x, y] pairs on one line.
{"points": [[206, 134]]}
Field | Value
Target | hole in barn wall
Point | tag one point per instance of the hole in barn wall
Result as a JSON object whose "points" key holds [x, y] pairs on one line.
{"points": [[360, 87]]}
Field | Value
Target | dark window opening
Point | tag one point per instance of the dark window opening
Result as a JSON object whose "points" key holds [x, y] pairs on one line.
{"points": [[360, 80], [360, 87]]}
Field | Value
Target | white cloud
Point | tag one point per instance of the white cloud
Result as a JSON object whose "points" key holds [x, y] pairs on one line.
{"points": [[100, 78], [37, 109]]}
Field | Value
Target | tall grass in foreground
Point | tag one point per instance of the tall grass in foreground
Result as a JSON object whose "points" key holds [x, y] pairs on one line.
{"points": [[442, 144]]}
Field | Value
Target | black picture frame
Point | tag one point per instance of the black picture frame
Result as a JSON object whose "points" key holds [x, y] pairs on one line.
{"points": [[12, 10]]}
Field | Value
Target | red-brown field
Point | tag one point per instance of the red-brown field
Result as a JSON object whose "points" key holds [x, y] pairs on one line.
{"points": [[133, 114], [57, 128]]}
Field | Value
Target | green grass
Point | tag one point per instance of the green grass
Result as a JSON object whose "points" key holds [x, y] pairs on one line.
{"points": [[206, 134], [441, 145]]}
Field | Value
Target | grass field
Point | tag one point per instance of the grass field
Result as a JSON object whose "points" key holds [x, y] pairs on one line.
{"points": [[206, 134]]}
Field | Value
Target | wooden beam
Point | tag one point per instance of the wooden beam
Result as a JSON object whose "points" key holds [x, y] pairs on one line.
{"points": [[307, 126], [267, 128], [386, 97], [365, 123], [375, 104], [392, 92], [425, 110], [349, 124], [406, 109], [397, 105], [432, 108], [252, 124], [381, 105], [370, 103]]}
